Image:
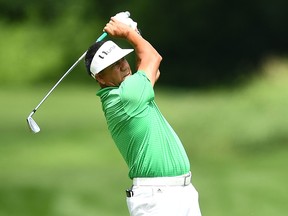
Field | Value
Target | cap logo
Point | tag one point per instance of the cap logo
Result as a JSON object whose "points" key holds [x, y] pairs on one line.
{"points": [[107, 52]]}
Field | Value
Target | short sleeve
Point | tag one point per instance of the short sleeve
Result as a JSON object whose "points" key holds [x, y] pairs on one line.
{"points": [[136, 92]]}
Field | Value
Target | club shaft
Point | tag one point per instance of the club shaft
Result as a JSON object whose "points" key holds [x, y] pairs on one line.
{"points": [[67, 72]]}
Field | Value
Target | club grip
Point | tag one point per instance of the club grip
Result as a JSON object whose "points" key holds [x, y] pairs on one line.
{"points": [[104, 34]]}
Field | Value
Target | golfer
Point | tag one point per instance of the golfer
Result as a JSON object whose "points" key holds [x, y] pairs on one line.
{"points": [[157, 161]]}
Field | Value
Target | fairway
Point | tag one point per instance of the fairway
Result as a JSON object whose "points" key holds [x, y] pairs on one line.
{"points": [[236, 140]]}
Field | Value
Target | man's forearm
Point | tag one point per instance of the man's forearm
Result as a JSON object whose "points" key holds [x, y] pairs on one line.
{"points": [[148, 59]]}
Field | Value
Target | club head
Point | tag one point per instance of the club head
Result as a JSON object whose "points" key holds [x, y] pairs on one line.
{"points": [[33, 125]]}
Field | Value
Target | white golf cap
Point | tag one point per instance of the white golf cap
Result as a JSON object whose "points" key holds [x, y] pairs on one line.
{"points": [[106, 55]]}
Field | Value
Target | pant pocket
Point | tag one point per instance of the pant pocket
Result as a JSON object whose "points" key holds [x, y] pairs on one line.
{"points": [[142, 202]]}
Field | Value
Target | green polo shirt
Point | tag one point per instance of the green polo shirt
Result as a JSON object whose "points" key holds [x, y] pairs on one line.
{"points": [[144, 138]]}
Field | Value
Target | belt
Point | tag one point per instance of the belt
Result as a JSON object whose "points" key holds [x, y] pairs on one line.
{"points": [[182, 180]]}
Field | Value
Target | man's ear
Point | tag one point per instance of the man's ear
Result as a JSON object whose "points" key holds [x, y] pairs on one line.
{"points": [[100, 79]]}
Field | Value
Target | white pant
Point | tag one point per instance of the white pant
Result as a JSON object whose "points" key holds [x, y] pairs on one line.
{"points": [[164, 201]]}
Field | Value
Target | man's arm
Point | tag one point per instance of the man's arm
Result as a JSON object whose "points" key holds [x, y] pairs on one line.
{"points": [[157, 75], [148, 59]]}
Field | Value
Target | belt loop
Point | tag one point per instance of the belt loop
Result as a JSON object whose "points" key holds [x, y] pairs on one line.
{"points": [[187, 179]]}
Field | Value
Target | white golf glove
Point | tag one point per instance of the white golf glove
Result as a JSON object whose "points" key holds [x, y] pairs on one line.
{"points": [[124, 18]]}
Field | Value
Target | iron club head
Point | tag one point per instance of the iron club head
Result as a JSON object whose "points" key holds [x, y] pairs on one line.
{"points": [[32, 124]]}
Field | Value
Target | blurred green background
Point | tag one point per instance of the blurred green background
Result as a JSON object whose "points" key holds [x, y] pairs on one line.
{"points": [[227, 102]]}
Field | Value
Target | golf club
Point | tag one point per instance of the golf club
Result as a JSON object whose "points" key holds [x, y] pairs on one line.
{"points": [[31, 123]]}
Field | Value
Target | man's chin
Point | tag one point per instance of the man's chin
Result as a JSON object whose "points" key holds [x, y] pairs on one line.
{"points": [[126, 76]]}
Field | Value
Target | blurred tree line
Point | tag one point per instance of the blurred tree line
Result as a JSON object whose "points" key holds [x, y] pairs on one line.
{"points": [[203, 42]]}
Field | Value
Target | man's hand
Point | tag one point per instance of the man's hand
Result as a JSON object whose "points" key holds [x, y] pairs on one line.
{"points": [[116, 28], [124, 18]]}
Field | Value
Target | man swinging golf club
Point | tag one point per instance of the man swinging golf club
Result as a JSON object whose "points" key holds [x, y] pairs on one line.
{"points": [[157, 161]]}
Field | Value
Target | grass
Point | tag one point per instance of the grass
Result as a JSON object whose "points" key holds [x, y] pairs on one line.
{"points": [[236, 140]]}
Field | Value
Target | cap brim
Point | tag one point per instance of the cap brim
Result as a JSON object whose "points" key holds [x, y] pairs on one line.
{"points": [[117, 57]]}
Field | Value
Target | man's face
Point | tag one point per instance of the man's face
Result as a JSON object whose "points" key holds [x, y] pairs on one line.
{"points": [[115, 74]]}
